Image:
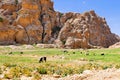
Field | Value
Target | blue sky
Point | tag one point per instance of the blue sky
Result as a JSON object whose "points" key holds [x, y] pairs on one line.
{"points": [[110, 9]]}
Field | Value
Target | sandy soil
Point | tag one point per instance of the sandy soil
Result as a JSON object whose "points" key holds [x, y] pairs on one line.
{"points": [[108, 74]]}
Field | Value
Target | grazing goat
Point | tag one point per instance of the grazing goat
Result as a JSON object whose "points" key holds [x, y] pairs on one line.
{"points": [[21, 52], [42, 59], [73, 52], [80, 52], [10, 53], [87, 53], [102, 54], [65, 51]]}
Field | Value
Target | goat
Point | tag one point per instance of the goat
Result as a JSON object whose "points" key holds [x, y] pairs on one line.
{"points": [[42, 59], [73, 52], [102, 54], [21, 52], [10, 53], [65, 51]]}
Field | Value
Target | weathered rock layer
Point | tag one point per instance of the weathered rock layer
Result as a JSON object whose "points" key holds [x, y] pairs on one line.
{"points": [[36, 21]]}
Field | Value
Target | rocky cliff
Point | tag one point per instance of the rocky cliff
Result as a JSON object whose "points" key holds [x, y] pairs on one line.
{"points": [[36, 21]]}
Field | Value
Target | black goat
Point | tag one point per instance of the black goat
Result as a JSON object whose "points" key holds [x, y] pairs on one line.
{"points": [[21, 52], [73, 52], [42, 59], [102, 54], [65, 51]]}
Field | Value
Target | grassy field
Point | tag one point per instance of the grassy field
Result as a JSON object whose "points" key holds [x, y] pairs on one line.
{"points": [[57, 55], [75, 61]]}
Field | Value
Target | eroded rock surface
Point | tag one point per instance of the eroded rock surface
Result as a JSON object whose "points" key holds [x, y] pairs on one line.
{"points": [[86, 30], [36, 21]]}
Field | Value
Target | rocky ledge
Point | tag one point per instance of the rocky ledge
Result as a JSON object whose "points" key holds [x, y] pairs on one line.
{"points": [[36, 21]]}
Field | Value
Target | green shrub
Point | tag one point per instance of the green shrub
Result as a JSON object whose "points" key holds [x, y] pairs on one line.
{"points": [[58, 71], [107, 66], [69, 71], [42, 70], [61, 14], [80, 70]]}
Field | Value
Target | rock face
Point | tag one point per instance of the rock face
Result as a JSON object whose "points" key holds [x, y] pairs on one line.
{"points": [[28, 19], [36, 21], [86, 30]]}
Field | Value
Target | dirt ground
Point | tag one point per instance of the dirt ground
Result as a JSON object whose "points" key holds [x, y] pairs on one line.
{"points": [[108, 74]]}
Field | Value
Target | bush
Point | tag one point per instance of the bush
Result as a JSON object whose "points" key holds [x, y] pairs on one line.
{"points": [[61, 14], [58, 72], [27, 72], [42, 70], [15, 71], [69, 71], [117, 66]]}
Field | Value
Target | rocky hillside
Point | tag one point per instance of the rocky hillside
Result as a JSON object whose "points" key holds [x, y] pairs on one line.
{"points": [[36, 21]]}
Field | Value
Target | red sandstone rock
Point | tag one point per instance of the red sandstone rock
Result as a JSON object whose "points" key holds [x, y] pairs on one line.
{"points": [[36, 21]]}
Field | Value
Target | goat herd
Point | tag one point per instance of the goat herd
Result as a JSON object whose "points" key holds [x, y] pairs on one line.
{"points": [[44, 59]]}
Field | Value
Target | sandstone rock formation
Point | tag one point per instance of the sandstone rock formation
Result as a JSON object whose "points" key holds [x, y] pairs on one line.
{"points": [[86, 30], [36, 21]]}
